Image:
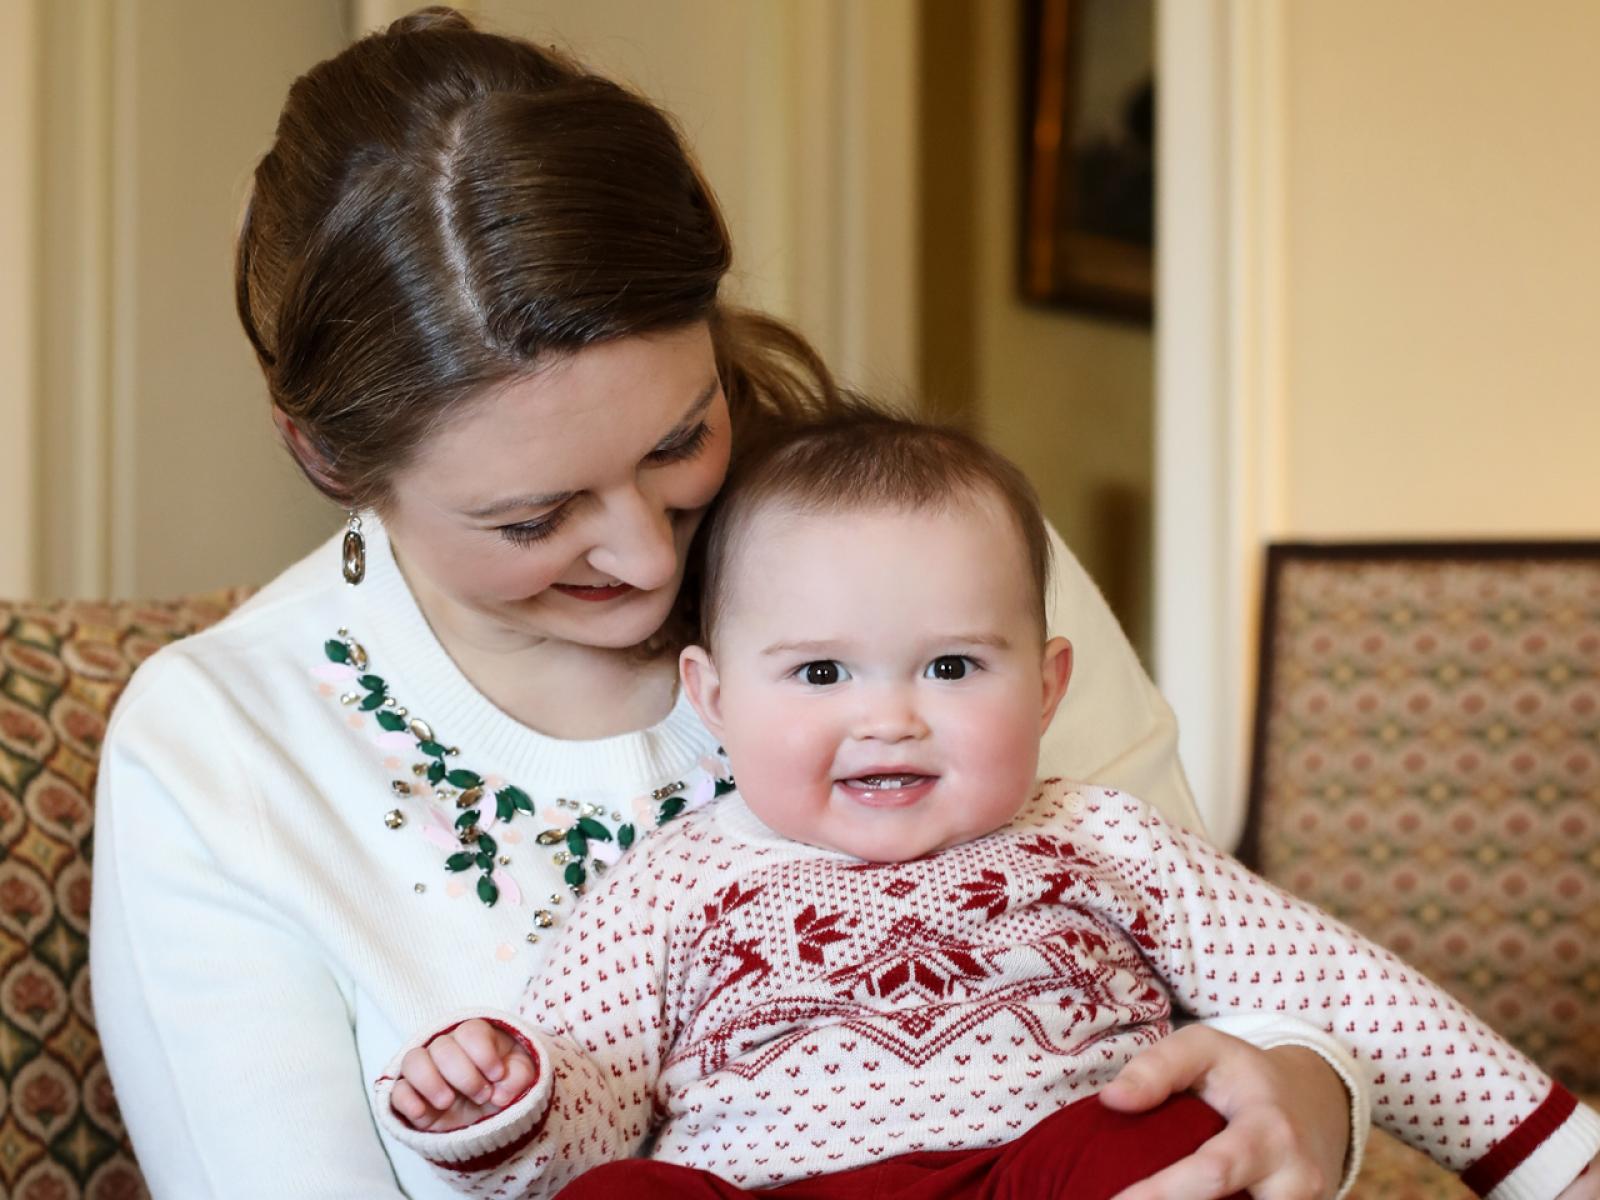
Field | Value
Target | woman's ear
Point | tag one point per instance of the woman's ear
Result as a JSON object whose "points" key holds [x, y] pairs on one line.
{"points": [[1057, 673], [700, 681], [307, 456]]}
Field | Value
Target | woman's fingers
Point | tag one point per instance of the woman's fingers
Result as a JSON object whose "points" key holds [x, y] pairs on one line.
{"points": [[1174, 1064]]}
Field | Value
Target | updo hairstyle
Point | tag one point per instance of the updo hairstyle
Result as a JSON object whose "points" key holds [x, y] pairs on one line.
{"points": [[442, 210]]}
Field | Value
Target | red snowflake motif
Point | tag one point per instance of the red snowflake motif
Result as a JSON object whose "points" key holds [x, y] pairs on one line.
{"points": [[748, 963], [987, 892], [816, 932], [730, 899], [900, 888], [912, 958]]}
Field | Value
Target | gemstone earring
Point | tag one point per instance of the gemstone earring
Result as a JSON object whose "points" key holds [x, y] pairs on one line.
{"points": [[355, 552]]}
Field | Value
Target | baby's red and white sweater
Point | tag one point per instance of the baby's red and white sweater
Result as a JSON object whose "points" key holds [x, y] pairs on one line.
{"points": [[769, 1011]]}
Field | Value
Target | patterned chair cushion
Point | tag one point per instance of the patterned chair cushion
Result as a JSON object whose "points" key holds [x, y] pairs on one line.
{"points": [[62, 667], [1427, 768]]}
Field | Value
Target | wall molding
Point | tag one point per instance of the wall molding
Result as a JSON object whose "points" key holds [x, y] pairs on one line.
{"points": [[1220, 374]]}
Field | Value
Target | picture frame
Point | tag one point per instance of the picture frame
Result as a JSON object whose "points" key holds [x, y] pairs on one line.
{"points": [[1088, 195]]}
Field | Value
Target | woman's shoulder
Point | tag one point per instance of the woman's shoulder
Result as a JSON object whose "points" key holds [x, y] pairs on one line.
{"points": [[277, 630]]}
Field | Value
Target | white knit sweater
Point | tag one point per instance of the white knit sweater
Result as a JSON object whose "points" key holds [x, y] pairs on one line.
{"points": [[262, 941], [769, 1011]]}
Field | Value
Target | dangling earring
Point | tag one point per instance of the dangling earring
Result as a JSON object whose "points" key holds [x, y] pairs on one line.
{"points": [[355, 552]]}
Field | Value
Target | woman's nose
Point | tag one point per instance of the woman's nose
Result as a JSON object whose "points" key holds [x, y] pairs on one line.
{"points": [[636, 544]]}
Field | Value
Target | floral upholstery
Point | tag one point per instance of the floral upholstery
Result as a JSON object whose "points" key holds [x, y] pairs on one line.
{"points": [[62, 666], [1427, 768]]}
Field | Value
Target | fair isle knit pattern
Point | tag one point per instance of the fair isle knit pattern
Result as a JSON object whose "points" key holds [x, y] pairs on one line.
{"points": [[771, 1011]]}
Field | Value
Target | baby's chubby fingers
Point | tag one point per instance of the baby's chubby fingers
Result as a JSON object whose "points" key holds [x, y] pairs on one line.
{"points": [[410, 1106], [465, 1061]]}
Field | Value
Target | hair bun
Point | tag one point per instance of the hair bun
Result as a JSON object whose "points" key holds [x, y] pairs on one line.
{"points": [[426, 20]]}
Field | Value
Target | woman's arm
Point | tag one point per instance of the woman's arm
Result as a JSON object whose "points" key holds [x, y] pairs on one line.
{"points": [[229, 1040]]}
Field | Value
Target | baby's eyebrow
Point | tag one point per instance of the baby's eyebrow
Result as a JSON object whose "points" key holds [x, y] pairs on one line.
{"points": [[815, 647], [824, 648]]}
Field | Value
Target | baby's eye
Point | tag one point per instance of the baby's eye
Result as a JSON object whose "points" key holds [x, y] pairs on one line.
{"points": [[949, 666], [823, 672]]}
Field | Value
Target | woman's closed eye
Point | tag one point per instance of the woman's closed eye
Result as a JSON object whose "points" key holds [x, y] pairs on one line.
{"points": [[685, 446], [526, 533]]}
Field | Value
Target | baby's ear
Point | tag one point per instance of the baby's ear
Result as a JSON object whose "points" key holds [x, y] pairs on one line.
{"points": [[1057, 672], [698, 672]]}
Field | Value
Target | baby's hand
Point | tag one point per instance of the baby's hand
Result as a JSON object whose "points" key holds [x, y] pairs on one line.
{"points": [[460, 1077]]}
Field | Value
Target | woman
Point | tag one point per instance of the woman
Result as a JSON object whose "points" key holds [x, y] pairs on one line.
{"points": [[482, 285]]}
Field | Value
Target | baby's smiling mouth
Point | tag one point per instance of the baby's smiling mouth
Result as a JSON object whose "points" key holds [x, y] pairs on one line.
{"points": [[885, 781]]}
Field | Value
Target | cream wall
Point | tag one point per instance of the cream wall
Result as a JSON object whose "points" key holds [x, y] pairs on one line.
{"points": [[1442, 269], [18, 237], [1067, 396], [1378, 280]]}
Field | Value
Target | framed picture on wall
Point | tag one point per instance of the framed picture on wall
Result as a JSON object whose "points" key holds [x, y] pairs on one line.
{"points": [[1089, 159]]}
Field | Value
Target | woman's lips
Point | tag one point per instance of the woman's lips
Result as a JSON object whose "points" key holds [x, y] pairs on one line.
{"points": [[606, 591], [888, 789]]}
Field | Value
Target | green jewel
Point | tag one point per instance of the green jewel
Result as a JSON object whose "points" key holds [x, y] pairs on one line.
{"points": [[464, 779], [625, 836], [373, 683], [391, 721], [336, 651], [459, 862], [577, 843], [485, 861], [503, 808], [487, 892], [575, 875], [435, 772], [486, 845], [373, 700], [593, 829], [467, 818], [432, 749], [723, 787], [517, 797], [671, 808]]}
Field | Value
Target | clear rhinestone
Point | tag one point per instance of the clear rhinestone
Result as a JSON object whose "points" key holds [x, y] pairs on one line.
{"points": [[394, 818], [419, 888], [400, 787], [421, 730], [544, 918]]}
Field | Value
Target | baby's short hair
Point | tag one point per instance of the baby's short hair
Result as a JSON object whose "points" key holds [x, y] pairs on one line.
{"points": [[863, 459]]}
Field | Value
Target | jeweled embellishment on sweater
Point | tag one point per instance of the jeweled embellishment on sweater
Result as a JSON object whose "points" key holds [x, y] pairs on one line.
{"points": [[470, 791]]}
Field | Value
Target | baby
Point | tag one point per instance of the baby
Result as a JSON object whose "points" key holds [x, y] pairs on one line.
{"points": [[893, 958]]}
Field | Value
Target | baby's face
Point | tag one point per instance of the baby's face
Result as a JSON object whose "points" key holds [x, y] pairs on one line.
{"points": [[879, 680]]}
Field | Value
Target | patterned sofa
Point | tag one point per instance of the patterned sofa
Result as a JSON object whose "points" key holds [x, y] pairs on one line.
{"points": [[62, 667]]}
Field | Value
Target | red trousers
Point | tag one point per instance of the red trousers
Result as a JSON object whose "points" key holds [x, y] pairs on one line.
{"points": [[1084, 1151]]}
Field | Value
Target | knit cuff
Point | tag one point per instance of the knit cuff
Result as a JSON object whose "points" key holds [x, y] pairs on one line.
{"points": [[492, 1140], [1266, 1031], [1548, 1150]]}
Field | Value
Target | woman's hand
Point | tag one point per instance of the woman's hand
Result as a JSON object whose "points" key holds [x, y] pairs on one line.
{"points": [[1586, 1186], [1288, 1117], [461, 1077]]}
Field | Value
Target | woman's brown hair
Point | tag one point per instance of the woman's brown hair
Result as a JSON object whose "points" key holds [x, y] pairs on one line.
{"points": [[442, 210]]}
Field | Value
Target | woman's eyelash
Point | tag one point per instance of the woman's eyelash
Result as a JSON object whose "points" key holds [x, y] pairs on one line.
{"points": [[686, 447], [526, 533]]}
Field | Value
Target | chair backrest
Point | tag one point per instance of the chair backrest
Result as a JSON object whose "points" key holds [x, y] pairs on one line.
{"points": [[62, 667], [1427, 768]]}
